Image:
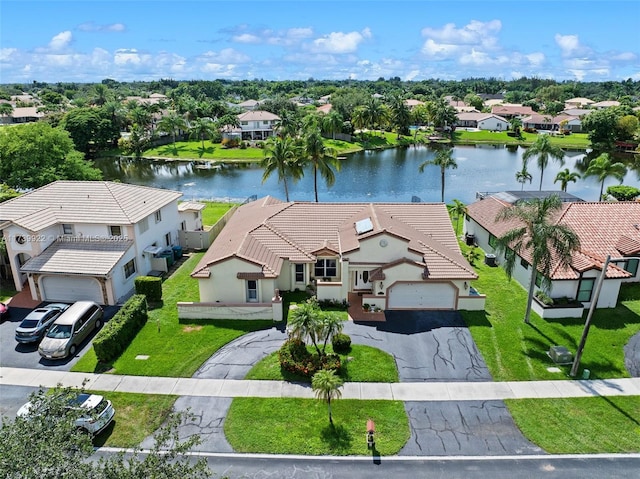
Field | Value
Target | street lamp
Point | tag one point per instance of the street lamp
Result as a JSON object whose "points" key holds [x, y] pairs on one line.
{"points": [[594, 302]]}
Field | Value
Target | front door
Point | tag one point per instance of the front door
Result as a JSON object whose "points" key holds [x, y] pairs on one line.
{"points": [[362, 280]]}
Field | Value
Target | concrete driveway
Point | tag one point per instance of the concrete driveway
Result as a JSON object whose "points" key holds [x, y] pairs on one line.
{"points": [[428, 346]]}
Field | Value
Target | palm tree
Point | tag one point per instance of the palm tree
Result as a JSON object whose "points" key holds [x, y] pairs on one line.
{"points": [[332, 123], [457, 209], [523, 175], [288, 125], [331, 324], [200, 128], [280, 155], [171, 123], [444, 160], [327, 386], [544, 150], [359, 119], [516, 124], [550, 244], [400, 115], [565, 177], [602, 167], [322, 158], [305, 322], [101, 94]]}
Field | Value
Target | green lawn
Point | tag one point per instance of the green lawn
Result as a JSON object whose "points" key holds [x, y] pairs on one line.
{"points": [[301, 426], [214, 211], [580, 425], [137, 416], [575, 140], [361, 364], [212, 151], [175, 349]]}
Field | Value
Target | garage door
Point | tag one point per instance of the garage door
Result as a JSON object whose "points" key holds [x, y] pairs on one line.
{"points": [[71, 288], [422, 296]]}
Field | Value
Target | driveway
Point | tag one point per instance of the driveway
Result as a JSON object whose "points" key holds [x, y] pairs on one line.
{"points": [[428, 346]]}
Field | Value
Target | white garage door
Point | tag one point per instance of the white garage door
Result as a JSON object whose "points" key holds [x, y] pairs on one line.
{"points": [[422, 296], [71, 288]]}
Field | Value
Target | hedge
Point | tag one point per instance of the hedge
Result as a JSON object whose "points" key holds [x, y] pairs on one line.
{"points": [[118, 333], [295, 358], [150, 286]]}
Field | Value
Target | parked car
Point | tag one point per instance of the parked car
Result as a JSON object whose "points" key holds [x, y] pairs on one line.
{"points": [[4, 311], [37, 322], [97, 412], [70, 329]]}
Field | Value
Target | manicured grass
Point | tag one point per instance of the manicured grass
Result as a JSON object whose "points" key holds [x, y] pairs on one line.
{"points": [[7, 292], [212, 151], [214, 211], [175, 349], [301, 426], [580, 425], [137, 416], [575, 140], [361, 364], [515, 351]]}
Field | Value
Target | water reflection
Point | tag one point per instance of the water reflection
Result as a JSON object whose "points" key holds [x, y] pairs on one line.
{"points": [[384, 175]]}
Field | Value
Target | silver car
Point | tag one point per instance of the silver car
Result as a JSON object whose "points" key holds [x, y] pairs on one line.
{"points": [[70, 329], [97, 412], [37, 322]]}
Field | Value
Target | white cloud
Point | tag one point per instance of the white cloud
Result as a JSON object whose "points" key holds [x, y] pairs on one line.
{"points": [[535, 59], [569, 44], [288, 37], [60, 41], [247, 38], [624, 57], [340, 42], [7, 53], [127, 56], [473, 33], [93, 27]]}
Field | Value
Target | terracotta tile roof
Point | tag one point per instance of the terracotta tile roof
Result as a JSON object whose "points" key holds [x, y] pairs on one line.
{"points": [[95, 258], [603, 228], [268, 231], [512, 110], [257, 115], [98, 202]]}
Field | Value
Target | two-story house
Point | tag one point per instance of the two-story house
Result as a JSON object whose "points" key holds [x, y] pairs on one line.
{"points": [[87, 240], [257, 124]]}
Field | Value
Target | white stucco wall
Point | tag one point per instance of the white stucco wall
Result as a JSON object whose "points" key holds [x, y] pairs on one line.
{"points": [[493, 124], [223, 284]]}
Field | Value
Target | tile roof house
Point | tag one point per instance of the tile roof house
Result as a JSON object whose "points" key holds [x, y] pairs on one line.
{"points": [[482, 121], [603, 228], [393, 256], [579, 102], [509, 110], [553, 123], [73, 240], [257, 124]]}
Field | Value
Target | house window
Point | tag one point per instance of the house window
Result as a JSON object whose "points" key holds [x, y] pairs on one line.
{"points": [[67, 229], [115, 230], [585, 288], [144, 225], [245, 123], [265, 122], [167, 239], [196, 215], [631, 266], [183, 226], [492, 240], [252, 291], [325, 268], [130, 268], [299, 273], [158, 216], [539, 278], [524, 263]]}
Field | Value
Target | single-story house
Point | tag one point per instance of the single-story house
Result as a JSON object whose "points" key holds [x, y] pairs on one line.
{"points": [[605, 104], [88, 240], [257, 124], [510, 111], [605, 228], [482, 121], [553, 123], [579, 102], [390, 256]]}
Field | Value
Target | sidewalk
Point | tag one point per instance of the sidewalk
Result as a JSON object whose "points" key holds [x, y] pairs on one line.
{"points": [[422, 391]]}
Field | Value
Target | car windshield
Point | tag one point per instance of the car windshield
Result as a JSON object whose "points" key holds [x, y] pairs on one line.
{"points": [[59, 331], [29, 323]]}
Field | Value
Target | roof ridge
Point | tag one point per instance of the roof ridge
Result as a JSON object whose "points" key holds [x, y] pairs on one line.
{"points": [[286, 239], [446, 257], [107, 185]]}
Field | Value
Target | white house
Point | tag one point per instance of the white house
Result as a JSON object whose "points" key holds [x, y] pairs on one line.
{"points": [[390, 256], [482, 121], [606, 228], [73, 240], [257, 124]]}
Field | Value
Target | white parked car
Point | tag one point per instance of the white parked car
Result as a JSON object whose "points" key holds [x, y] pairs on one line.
{"points": [[99, 412]]}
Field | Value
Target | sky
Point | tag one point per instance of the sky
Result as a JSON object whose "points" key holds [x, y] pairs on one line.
{"points": [[129, 40]]}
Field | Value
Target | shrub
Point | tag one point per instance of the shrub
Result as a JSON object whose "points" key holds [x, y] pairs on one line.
{"points": [[334, 304], [623, 192], [544, 298], [150, 286], [295, 358], [341, 343], [118, 333]]}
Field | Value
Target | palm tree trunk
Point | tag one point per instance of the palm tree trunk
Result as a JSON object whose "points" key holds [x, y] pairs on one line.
{"points": [[286, 188], [442, 178], [329, 406], [315, 181], [532, 284], [601, 190], [541, 173]]}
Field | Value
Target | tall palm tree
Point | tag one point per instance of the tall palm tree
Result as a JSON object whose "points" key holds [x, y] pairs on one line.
{"points": [[550, 244], [359, 119], [523, 175], [323, 159], [457, 209], [171, 123], [101, 94], [444, 160], [565, 177], [326, 385], [332, 123], [544, 150], [400, 115], [603, 168], [289, 124], [281, 156], [201, 128]]}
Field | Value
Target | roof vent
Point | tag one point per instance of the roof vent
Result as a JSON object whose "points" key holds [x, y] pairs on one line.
{"points": [[364, 226]]}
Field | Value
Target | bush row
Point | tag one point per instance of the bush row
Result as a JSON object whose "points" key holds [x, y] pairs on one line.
{"points": [[150, 286], [296, 359], [118, 333]]}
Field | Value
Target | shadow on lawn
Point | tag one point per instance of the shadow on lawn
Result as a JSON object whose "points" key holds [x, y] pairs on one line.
{"points": [[336, 437], [476, 318]]}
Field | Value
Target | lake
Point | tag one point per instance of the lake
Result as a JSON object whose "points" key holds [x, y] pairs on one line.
{"points": [[381, 176]]}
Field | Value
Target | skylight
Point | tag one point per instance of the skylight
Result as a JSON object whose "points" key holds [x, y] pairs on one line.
{"points": [[364, 226]]}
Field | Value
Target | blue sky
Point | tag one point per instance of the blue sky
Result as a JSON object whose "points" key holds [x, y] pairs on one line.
{"points": [[87, 40]]}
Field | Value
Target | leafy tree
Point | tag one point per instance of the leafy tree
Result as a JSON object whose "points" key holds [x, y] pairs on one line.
{"points": [[565, 177], [6, 109], [201, 128], [326, 385], [544, 150], [90, 129], [36, 154], [281, 156], [601, 125], [47, 444], [444, 160], [623, 192], [171, 123], [323, 159], [550, 244], [627, 127], [101, 94], [474, 100], [7, 193], [603, 168]]}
